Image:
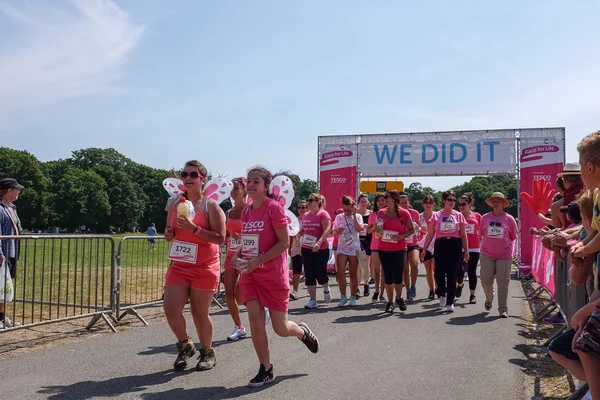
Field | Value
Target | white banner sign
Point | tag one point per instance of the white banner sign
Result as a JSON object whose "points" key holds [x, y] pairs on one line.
{"points": [[469, 153]]}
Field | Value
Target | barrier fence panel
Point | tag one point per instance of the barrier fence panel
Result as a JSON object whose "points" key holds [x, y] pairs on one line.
{"points": [[142, 263], [59, 278]]}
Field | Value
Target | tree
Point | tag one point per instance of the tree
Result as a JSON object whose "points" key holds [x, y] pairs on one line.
{"points": [[302, 191]]}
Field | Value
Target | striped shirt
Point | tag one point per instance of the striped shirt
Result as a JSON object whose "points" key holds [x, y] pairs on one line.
{"points": [[9, 247]]}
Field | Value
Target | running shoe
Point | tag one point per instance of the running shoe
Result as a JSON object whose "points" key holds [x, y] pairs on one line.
{"points": [[375, 297], [450, 308], [371, 281], [442, 301], [389, 307], [401, 303], [309, 339], [488, 305], [357, 293], [472, 299], [311, 304], [294, 295], [413, 292], [431, 295], [459, 290], [352, 301], [343, 301], [267, 316], [503, 314], [263, 377], [366, 292], [326, 296], [237, 333], [381, 299], [185, 350], [206, 360], [555, 319]]}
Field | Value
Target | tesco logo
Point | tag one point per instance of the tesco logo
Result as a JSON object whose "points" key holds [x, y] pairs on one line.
{"points": [[254, 225], [338, 180], [547, 178]]}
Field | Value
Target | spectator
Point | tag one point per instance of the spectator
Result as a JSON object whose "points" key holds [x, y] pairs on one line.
{"points": [[152, 232], [573, 185], [10, 225]]}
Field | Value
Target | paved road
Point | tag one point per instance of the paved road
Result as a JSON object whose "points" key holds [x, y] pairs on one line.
{"points": [[366, 354]]}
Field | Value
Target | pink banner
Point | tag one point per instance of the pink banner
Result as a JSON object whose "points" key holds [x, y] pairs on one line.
{"points": [[542, 264], [540, 158], [337, 175]]}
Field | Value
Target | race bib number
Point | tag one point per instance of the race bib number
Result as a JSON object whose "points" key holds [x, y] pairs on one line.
{"points": [[250, 246], [234, 244], [348, 240], [387, 236], [183, 252], [447, 227], [309, 240], [470, 228], [495, 230]]}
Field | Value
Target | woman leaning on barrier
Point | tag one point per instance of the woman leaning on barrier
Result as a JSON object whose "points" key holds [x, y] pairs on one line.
{"points": [[498, 230], [195, 269]]}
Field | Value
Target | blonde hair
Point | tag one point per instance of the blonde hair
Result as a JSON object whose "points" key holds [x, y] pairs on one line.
{"points": [[589, 149], [586, 203], [320, 198]]}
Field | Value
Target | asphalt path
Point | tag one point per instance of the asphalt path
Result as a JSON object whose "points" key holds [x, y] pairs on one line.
{"points": [[423, 353]]}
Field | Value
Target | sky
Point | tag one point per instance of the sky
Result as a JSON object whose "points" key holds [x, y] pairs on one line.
{"points": [[235, 84]]}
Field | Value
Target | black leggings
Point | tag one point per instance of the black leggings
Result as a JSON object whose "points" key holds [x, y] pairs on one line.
{"points": [[460, 275], [315, 266], [447, 254], [392, 263], [297, 264]]}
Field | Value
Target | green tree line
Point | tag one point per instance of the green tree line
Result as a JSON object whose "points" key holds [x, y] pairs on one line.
{"points": [[107, 192]]}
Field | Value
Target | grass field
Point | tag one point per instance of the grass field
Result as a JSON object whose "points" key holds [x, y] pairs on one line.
{"points": [[68, 276]]}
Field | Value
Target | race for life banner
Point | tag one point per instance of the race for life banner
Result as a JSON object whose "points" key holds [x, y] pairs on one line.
{"points": [[541, 157], [446, 153], [542, 264], [337, 174]]}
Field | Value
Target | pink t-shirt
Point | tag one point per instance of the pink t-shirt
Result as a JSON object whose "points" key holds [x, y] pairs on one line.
{"points": [[447, 224], [312, 229], [374, 238], [499, 233], [258, 237], [413, 240], [472, 229], [396, 225]]}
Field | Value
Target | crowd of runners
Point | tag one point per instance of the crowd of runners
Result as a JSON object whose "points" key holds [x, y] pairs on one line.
{"points": [[381, 246]]}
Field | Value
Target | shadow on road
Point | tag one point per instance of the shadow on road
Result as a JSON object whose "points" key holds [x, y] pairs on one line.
{"points": [[470, 319], [140, 383], [362, 318], [171, 349], [215, 392]]}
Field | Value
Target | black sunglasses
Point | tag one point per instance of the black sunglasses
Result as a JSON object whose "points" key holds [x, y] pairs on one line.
{"points": [[301, 207], [386, 196], [453, 200], [462, 204], [312, 200], [193, 175]]}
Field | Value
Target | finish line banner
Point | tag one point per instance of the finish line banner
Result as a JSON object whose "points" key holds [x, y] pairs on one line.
{"points": [[437, 154]]}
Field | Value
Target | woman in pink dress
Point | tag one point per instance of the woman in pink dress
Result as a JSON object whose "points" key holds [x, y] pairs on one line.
{"points": [[264, 282]]}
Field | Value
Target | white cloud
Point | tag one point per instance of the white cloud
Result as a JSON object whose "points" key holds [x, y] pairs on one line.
{"points": [[53, 54]]}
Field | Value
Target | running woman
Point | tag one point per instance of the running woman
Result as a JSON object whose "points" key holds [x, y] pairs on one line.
{"points": [[412, 251], [347, 227], [295, 253], [195, 268], [449, 228], [394, 226], [365, 240], [428, 261], [465, 205], [264, 282], [316, 224], [375, 262]]}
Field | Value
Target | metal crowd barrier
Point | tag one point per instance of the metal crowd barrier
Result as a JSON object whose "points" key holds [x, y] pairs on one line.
{"points": [[60, 278]]}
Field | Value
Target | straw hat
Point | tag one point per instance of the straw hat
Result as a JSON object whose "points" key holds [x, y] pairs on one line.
{"points": [[497, 195], [571, 168]]}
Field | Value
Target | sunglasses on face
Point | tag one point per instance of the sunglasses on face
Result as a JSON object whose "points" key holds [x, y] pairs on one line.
{"points": [[462, 204], [193, 175], [386, 196], [312, 200], [428, 202], [451, 200], [301, 207]]}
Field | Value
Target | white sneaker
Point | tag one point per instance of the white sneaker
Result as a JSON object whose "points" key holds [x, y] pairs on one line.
{"points": [[352, 301], [450, 308], [294, 295], [237, 333], [8, 323], [267, 316], [312, 304], [327, 297], [343, 300], [443, 301]]}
